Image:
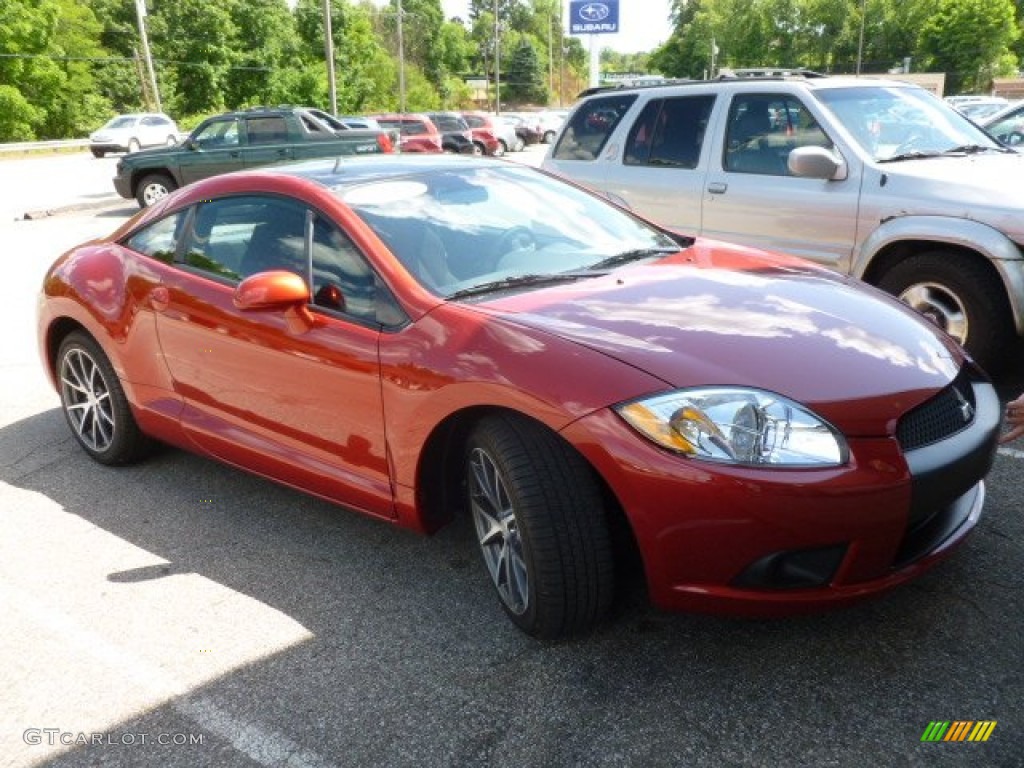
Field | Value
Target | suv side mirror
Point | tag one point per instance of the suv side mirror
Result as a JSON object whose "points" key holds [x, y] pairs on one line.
{"points": [[816, 163]]}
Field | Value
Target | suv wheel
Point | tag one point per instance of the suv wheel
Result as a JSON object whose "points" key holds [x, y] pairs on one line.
{"points": [[154, 187], [964, 297]]}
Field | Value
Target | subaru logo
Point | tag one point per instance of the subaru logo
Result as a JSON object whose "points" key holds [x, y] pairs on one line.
{"points": [[966, 409], [594, 12]]}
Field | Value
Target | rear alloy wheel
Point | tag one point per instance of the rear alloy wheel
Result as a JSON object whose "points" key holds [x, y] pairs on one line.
{"points": [[539, 519], [95, 405], [501, 149], [134, 146], [153, 188], [963, 296]]}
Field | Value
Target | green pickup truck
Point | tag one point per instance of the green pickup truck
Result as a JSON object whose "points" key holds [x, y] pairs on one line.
{"points": [[237, 140]]}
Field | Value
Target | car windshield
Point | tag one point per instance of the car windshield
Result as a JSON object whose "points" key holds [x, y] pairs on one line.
{"points": [[123, 121], [468, 231], [899, 123]]}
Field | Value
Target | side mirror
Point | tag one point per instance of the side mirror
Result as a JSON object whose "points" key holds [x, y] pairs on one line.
{"points": [[192, 144], [816, 163], [277, 289]]}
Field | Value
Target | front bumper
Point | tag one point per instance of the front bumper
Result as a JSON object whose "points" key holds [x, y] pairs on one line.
{"points": [[757, 542], [123, 185]]}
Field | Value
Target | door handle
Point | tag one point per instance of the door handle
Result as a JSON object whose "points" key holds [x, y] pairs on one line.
{"points": [[717, 187], [160, 298]]}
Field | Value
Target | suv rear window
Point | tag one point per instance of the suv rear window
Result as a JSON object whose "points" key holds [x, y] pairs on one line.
{"points": [[669, 132], [591, 125]]}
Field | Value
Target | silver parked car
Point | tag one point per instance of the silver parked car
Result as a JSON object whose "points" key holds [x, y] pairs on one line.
{"points": [[130, 133], [1007, 125], [875, 178]]}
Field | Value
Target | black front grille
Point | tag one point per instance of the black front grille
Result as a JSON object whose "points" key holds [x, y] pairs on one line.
{"points": [[949, 412]]}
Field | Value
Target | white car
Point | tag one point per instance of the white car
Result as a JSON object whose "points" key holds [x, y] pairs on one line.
{"points": [[130, 133]]}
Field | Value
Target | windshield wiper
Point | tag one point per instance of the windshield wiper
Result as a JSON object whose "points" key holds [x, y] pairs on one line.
{"points": [[916, 154], [974, 149], [634, 255], [517, 281]]}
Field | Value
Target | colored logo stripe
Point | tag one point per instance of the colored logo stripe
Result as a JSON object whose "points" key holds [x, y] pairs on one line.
{"points": [[982, 730], [958, 730]]}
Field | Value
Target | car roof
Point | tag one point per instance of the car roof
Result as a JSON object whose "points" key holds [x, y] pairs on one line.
{"points": [[341, 172], [747, 82]]}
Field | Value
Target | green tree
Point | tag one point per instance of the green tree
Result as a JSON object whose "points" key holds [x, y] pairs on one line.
{"points": [[197, 42], [524, 83], [971, 41], [267, 46], [17, 116], [120, 73]]}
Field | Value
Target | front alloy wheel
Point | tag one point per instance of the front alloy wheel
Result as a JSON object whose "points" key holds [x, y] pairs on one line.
{"points": [[498, 532], [540, 522]]}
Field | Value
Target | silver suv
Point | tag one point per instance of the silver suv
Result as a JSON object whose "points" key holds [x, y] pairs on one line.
{"points": [[874, 178]]}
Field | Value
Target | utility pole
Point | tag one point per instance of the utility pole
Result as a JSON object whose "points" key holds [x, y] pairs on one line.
{"points": [[497, 61], [401, 62], [329, 55], [860, 44], [140, 11]]}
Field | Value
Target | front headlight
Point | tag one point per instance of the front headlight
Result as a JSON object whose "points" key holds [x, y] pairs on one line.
{"points": [[737, 425]]}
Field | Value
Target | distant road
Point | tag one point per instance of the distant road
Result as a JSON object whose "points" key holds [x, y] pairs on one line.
{"points": [[47, 182]]}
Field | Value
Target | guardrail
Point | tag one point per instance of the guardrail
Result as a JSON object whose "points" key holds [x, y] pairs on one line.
{"points": [[25, 147]]}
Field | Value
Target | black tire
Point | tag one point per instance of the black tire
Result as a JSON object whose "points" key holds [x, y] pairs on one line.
{"points": [[540, 521], [154, 187], [963, 296], [98, 152], [94, 403], [548, 137], [501, 149]]}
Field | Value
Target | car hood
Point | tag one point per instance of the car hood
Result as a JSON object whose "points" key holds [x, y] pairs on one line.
{"points": [[157, 152], [984, 188], [724, 315]]}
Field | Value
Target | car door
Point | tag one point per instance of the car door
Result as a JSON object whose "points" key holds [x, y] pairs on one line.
{"points": [[213, 149], [266, 141], [299, 402], [659, 170], [751, 197]]}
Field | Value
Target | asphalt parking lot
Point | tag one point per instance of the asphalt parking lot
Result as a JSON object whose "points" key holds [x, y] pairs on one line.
{"points": [[183, 613]]}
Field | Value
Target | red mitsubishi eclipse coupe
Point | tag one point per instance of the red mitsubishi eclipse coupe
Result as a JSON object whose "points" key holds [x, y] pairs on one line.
{"points": [[425, 337]]}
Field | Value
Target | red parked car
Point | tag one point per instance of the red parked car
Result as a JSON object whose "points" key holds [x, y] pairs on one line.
{"points": [[486, 133], [424, 338], [416, 133]]}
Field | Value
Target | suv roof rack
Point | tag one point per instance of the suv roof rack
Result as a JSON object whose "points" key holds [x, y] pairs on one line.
{"points": [[726, 73], [635, 86]]}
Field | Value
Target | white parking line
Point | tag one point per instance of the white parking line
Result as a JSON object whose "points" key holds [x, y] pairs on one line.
{"points": [[255, 740]]}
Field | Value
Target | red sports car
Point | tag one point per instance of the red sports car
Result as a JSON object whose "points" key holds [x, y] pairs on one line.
{"points": [[425, 337]]}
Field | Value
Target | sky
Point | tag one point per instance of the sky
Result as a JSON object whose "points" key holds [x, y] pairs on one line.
{"points": [[644, 24]]}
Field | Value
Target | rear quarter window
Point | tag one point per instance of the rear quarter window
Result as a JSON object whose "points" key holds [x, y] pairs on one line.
{"points": [[591, 125]]}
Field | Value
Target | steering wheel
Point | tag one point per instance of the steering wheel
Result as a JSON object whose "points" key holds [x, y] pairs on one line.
{"points": [[515, 239]]}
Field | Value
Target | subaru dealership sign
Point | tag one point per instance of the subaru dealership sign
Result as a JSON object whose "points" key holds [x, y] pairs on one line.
{"points": [[593, 17]]}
